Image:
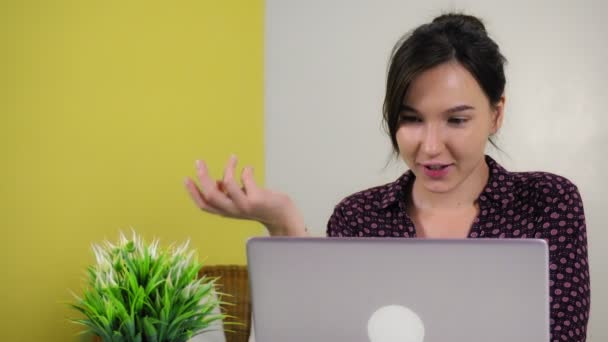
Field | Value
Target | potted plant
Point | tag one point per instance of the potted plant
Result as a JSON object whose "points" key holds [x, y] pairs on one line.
{"points": [[140, 292]]}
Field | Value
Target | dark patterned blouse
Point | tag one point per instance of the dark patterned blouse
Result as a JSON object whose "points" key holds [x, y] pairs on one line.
{"points": [[512, 205]]}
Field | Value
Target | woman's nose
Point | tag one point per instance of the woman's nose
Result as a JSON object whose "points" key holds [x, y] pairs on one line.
{"points": [[432, 141]]}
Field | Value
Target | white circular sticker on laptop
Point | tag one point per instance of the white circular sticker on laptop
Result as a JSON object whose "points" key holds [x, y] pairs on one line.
{"points": [[395, 323]]}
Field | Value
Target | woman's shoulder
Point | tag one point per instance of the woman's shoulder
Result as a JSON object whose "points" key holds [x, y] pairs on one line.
{"points": [[542, 181], [371, 204], [539, 183], [377, 197]]}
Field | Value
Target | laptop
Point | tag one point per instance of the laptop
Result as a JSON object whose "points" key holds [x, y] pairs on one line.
{"points": [[399, 290]]}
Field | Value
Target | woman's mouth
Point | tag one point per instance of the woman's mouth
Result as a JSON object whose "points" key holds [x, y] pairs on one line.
{"points": [[436, 171]]}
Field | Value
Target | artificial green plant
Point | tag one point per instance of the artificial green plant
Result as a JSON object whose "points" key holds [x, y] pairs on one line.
{"points": [[140, 292]]}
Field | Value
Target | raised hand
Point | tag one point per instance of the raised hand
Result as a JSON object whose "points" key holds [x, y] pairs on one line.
{"points": [[225, 197]]}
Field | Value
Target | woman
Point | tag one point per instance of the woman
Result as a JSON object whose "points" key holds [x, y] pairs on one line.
{"points": [[444, 102]]}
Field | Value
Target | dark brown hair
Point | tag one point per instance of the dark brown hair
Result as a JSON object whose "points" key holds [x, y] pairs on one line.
{"points": [[449, 37]]}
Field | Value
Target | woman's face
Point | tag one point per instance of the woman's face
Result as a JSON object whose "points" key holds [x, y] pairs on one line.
{"points": [[445, 122]]}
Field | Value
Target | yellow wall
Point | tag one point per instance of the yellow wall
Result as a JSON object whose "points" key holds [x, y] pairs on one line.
{"points": [[105, 106]]}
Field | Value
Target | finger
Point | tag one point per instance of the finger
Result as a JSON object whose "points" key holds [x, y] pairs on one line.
{"points": [[211, 194], [229, 168], [197, 197], [207, 184], [249, 184], [233, 190]]}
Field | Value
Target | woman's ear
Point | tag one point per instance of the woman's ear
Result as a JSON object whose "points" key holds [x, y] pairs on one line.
{"points": [[498, 115]]}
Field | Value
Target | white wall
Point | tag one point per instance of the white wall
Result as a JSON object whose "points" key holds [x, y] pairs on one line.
{"points": [[325, 70]]}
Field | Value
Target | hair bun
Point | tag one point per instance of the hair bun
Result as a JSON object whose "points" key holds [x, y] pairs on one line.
{"points": [[461, 20]]}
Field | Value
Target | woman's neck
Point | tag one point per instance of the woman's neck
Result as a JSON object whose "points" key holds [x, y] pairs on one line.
{"points": [[464, 194]]}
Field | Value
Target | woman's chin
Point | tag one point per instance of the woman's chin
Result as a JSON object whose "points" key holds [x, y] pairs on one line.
{"points": [[438, 187]]}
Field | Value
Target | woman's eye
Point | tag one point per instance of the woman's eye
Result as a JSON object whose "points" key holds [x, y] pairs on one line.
{"points": [[457, 121]]}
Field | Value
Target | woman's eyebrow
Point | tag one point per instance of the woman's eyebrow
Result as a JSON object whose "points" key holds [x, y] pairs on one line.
{"points": [[453, 110], [457, 109]]}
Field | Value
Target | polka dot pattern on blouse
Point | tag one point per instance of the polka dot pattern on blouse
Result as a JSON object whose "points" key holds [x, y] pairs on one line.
{"points": [[513, 205]]}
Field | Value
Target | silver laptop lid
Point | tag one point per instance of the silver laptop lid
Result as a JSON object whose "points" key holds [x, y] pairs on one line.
{"points": [[399, 290]]}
